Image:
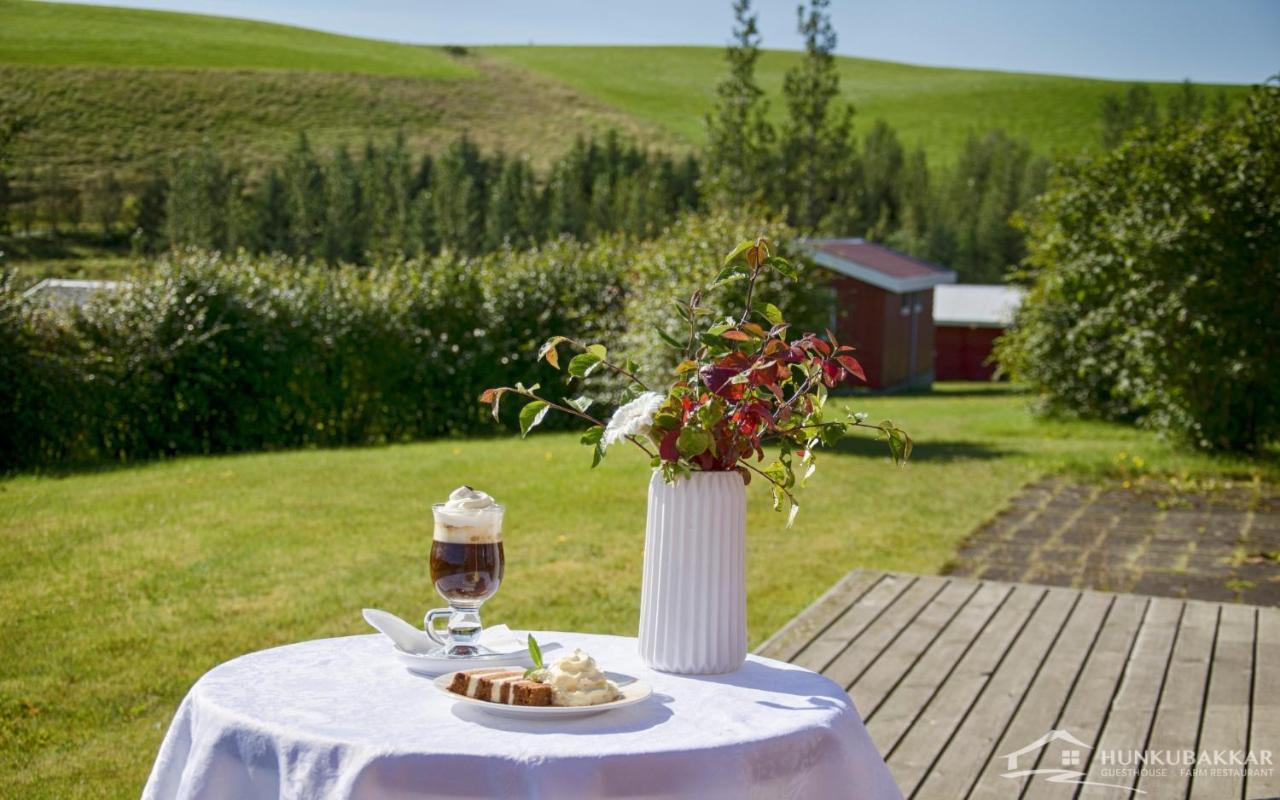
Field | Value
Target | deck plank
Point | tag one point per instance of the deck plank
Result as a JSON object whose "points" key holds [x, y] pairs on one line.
{"points": [[889, 720], [787, 643], [911, 606], [833, 640], [1091, 695], [954, 674], [1181, 699], [1264, 731], [1225, 725], [914, 754], [1129, 721], [1025, 700]]}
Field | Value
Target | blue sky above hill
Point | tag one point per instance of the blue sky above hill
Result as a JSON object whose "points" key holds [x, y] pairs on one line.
{"points": [[1213, 42]]}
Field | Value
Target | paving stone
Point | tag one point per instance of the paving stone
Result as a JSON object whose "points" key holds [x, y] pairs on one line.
{"points": [[1213, 545]]}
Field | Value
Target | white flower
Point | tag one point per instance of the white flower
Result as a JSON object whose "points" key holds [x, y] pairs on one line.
{"points": [[634, 418]]}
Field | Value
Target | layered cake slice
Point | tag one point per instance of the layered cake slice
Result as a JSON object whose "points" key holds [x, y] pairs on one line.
{"points": [[501, 685]]}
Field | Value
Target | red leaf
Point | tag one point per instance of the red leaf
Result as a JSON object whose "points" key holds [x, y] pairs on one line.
{"points": [[667, 449], [853, 367], [735, 336]]}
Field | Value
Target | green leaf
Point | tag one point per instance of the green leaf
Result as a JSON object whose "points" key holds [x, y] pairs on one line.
{"points": [[772, 313], [692, 441], [669, 339], [666, 421], [592, 435], [531, 415], [597, 456], [581, 403], [535, 655], [583, 364], [598, 350], [738, 251], [783, 267]]}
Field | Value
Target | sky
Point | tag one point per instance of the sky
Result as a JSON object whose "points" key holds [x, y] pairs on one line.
{"points": [[1208, 41]]}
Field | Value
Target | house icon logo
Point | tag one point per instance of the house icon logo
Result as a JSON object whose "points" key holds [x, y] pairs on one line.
{"points": [[1070, 756]]}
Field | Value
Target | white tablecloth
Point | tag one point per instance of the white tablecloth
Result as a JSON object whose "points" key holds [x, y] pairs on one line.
{"points": [[340, 718]]}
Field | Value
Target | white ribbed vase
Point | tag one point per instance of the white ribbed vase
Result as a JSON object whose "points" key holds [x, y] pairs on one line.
{"points": [[693, 602]]}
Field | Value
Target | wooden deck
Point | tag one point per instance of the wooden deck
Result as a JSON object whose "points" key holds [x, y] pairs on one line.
{"points": [[952, 675]]}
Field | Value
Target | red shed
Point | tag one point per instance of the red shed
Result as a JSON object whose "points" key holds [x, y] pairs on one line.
{"points": [[969, 318], [884, 307]]}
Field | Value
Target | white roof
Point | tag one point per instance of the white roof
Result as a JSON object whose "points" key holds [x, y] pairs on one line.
{"points": [[63, 292], [975, 305]]}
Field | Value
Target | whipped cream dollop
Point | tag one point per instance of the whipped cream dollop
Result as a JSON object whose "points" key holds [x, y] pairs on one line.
{"points": [[576, 680], [468, 516], [465, 500]]}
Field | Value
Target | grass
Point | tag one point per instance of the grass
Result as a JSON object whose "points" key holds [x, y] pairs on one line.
{"points": [[121, 587], [935, 108], [107, 87], [57, 34]]}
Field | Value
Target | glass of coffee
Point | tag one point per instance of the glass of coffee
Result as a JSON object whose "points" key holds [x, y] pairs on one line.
{"points": [[466, 567]]}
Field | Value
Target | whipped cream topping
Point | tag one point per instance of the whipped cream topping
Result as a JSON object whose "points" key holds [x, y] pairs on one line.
{"points": [[576, 680], [468, 516]]}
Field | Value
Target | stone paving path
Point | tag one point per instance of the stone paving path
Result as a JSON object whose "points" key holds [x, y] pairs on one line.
{"points": [[1221, 545]]}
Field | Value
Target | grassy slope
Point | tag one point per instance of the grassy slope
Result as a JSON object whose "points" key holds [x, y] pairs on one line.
{"points": [[51, 34], [123, 88], [120, 588], [134, 85], [932, 107]]}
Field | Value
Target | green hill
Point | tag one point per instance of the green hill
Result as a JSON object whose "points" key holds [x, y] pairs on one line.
{"points": [[50, 34], [929, 106], [122, 88]]}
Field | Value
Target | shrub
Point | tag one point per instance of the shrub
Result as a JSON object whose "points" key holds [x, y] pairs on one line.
{"points": [[1156, 293], [205, 353]]}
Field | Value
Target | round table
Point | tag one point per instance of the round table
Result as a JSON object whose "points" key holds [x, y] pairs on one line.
{"points": [[341, 718]]}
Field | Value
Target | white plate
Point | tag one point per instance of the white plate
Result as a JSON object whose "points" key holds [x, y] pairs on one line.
{"points": [[633, 691]]}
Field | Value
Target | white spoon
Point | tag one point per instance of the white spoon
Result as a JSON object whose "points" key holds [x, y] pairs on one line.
{"points": [[406, 636]]}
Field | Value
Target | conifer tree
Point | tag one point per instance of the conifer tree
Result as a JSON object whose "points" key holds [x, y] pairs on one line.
{"points": [[305, 200], [739, 136], [817, 148], [6, 202], [272, 214], [196, 212], [148, 224], [344, 231], [105, 201], [505, 221]]}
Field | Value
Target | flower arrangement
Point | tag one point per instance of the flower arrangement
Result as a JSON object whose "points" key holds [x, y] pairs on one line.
{"points": [[741, 384]]}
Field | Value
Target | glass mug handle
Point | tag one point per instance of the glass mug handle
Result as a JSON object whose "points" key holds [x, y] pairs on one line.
{"points": [[429, 621]]}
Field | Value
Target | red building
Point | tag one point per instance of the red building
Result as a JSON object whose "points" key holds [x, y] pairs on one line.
{"points": [[884, 307], [968, 319]]}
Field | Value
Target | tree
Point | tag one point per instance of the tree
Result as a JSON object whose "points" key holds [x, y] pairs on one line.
{"points": [[1156, 283], [817, 147], [147, 221], [1122, 114], [304, 194], [344, 232], [196, 207], [739, 136], [6, 200], [105, 201]]}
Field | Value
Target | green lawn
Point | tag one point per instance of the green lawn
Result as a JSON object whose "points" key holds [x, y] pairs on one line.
{"points": [[57, 34], [121, 587]]}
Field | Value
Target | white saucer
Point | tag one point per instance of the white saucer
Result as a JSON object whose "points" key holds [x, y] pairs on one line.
{"points": [[633, 691], [436, 662]]}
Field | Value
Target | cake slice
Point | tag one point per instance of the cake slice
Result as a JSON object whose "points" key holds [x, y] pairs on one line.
{"points": [[501, 685]]}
